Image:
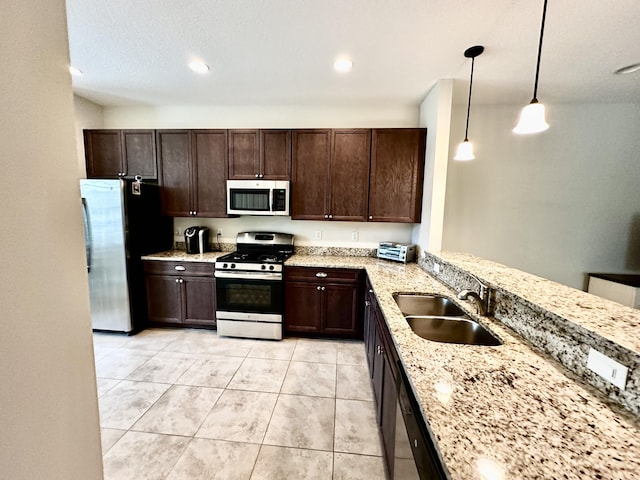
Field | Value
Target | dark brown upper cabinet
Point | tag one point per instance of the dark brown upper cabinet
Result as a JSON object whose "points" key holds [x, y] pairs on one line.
{"points": [[349, 174], [310, 173], [120, 153], [397, 169], [330, 178], [193, 172], [259, 154]]}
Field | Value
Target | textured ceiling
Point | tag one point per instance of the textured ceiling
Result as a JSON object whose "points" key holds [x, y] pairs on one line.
{"points": [[280, 52]]}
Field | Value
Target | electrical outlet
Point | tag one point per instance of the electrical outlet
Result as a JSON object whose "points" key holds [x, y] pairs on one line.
{"points": [[219, 231], [354, 236], [318, 234], [177, 232], [607, 368], [436, 267]]}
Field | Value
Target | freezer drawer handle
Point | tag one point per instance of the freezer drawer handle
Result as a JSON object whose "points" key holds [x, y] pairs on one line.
{"points": [[180, 268]]}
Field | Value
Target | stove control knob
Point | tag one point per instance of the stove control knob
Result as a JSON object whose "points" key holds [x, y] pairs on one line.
{"points": [[271, 267], [224, 265], [233, 265], [263, 267]]}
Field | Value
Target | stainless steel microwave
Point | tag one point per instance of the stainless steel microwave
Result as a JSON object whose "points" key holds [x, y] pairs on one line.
{"points": [[258, 197]]}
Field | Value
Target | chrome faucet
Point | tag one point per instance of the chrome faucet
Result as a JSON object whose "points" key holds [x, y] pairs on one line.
{"points": [[481, 299]]}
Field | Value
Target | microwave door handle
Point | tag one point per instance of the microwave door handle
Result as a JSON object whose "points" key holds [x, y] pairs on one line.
{"points": [[272, 200], [87, 232]]}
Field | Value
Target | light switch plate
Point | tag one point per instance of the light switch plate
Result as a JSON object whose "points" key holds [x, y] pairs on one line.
{"points": [[607, 368]]}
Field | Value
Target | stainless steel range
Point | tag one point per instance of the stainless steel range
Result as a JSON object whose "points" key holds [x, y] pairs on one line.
{"points": [[250, 286]]}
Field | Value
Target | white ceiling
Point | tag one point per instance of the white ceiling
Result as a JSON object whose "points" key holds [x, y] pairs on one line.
{"points": [[281, 52]]}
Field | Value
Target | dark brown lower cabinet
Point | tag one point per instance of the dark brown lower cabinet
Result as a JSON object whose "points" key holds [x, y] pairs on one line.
{"points": [[323, 302], [387, 379], [180, 293]]}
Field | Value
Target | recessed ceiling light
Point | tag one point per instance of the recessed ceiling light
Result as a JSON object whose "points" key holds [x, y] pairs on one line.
{"points": [[342, 65], [75, 72], [628, 69], [199, 67]]}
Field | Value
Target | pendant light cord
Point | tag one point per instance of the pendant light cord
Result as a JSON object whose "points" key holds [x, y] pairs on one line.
{"points": [[535, 85], [466, 130]]}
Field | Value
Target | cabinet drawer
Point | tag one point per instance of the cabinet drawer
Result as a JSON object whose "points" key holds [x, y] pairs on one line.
{"points": [[325, 275], [161, 267]]}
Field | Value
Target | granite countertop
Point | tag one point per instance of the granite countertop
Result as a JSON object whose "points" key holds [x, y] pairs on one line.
{"points": [[611, 320], [182, 256], [505, 412]]}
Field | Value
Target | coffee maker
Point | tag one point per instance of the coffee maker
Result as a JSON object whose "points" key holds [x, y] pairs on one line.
{"points": [[196, 239]]}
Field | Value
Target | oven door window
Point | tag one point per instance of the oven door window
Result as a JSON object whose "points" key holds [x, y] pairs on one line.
{"points": [[254, 199], [250, 296]]}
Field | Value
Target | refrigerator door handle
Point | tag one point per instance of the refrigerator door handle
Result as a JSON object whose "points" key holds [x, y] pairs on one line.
{"points": [[87, 232]]}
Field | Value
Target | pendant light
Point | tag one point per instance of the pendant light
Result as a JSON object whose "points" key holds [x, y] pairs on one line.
{"points": [[532, 116], [465, 149]]}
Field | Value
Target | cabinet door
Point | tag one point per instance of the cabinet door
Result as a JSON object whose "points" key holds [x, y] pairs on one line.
{"points": [[303, 307], [210, 173], [389, 402], [369, 325], [139, 150], [164, 301], [174, 158], [397, 166], [310, 176], [199, 295], [244, 155], [351, 152], [103, 151], [275, 154], [378, 371], [341, 309]]}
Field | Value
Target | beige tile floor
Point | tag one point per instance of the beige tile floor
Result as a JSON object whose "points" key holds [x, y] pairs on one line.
{"points": [[186, 404]]}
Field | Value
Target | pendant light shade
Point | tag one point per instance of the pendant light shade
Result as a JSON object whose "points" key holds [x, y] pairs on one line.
{"points": [[532, 116], [465, 149], [531, 119]]}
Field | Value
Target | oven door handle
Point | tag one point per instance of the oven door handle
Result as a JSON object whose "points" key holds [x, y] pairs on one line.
{"points": [[248, 275]]}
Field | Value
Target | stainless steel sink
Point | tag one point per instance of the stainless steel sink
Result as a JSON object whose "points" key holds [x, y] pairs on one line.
{"points": [[438, 318], [427, 305], [452, 330]]}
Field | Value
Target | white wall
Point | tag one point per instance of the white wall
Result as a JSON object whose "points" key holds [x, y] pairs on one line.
{"points": [[558, 204], [435, 114], [87, 115], [260, 117], [333, 233], [48, 403]]}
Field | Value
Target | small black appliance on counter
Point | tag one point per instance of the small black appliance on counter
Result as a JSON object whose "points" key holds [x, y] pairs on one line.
{"points": [[196, 239]]}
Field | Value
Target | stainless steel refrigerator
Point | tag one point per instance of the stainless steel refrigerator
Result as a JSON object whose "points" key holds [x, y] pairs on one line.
{"points": [[123, 221]]}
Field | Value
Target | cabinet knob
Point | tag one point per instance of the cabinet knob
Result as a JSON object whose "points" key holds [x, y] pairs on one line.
{"points": [[326, 216], [330, 216], [181, 281], [177, 280], [261, 175], [367, 303], [322, 288], [318, 287], [370, 217], [257, 175], [371, 290]]}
